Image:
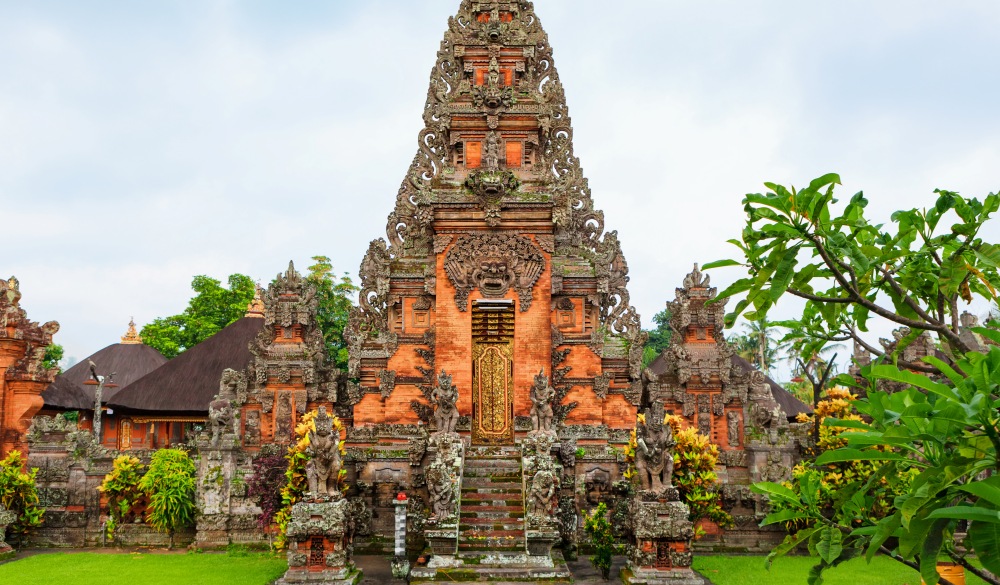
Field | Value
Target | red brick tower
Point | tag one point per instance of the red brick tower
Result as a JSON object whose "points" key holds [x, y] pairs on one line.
{"points": [[497, 264]]}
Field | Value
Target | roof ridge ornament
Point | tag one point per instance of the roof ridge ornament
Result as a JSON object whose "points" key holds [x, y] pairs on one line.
{"points": [[131, 336], [256, 307]]}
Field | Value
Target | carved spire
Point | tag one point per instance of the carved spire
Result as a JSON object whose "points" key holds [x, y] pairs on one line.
{"points": [[131, 336], [256, 307]]}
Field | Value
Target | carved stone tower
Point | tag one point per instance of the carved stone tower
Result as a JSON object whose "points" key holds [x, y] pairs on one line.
{"points": [[497, 265]]}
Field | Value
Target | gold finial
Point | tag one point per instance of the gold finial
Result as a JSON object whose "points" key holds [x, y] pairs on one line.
{"points": [[131, 336], [256, 306]]}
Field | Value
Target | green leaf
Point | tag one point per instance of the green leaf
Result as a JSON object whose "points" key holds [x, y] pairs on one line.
{"points": [[985, 540], [721, 264], [770, 489], [846, 454], [830, 544], [886, 527], [784, 273], [974, 513], [930, 550], [895, 374], [988, 490], [791, 542]]}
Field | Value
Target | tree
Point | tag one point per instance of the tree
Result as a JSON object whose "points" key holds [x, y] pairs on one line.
{"points": [[169, 483], [658, 339], [943, 424], [53, 355], [211, 309], [757, 344], [334, 296], [19, 494]]}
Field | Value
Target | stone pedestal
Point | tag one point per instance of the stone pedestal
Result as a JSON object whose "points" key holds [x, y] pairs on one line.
{"points": [[317, 546], [6, 519], [661, 552]]}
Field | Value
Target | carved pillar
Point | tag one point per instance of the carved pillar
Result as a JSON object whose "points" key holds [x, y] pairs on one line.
{"points": [[661, 547], [216, 469], [317, 543]]}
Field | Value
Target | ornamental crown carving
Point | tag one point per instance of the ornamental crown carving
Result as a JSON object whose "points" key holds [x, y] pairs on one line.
{"points": [[493, 264]]}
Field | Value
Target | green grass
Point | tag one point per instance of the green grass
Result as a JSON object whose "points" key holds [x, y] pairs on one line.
{"points": [[148, 569], [733, 570]]}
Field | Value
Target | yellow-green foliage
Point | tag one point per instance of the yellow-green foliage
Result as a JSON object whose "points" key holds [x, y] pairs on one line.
{"points": [[296, 482], [18, 493], [169, 484], [833, 478], [602, 539], [121, 488]]}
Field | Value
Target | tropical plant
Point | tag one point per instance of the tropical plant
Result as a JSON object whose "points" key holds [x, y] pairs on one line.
{"points": [[941, 426], [601, 539], [18, 493], [265, 484], [53, 355], [758, 344], [695, 460], [121, 488], [170, 486]]}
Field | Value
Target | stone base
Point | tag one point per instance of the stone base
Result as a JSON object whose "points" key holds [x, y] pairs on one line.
{"points": [[487, 567], [540, 542], [343, 576], [645, 576]]}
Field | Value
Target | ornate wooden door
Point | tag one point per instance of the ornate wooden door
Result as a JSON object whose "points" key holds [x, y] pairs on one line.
{"points": [[492, 374]]}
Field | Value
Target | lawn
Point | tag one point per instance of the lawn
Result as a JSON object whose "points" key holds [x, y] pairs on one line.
{"points": [[148, 569], [734, 570]]}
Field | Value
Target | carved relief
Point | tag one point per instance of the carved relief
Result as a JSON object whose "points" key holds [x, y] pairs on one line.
{"points": [[493, 264]]}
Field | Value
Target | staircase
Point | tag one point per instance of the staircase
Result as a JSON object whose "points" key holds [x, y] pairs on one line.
{"points": [[492, 507], [491, 537]]}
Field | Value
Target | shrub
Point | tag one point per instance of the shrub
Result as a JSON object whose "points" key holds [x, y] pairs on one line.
{"points": [[602, 539], [264, 486], [170, 484], [121, 488], [18, 493]]}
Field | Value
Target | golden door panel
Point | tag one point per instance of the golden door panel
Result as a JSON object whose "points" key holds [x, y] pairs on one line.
{"points": [[492, 394]]}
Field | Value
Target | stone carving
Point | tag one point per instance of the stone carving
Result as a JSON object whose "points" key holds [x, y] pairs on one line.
{"points": [[220, 418], [541, 498], [444, 397], [733, 425], [442, 476], [490, 187], [387, 383], [251, 430], [654, 457], [493, 264], [323, 468], [283, 416], [542, 395]]}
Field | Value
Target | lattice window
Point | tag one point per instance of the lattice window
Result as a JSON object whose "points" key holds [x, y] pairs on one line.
{"points": [[317, 553]]}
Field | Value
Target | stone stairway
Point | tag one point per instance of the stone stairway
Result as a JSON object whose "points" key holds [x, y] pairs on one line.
{"points": [[491, 534]]}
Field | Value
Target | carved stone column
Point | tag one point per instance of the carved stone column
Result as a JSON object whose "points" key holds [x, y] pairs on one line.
{"points": [[216, 470], [6, 519]]}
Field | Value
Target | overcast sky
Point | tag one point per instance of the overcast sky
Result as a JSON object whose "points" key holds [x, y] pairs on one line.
{"points": [[142, 143]]}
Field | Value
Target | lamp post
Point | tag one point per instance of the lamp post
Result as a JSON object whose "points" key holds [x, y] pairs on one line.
{"points": [[400, 565], [99, 396]]}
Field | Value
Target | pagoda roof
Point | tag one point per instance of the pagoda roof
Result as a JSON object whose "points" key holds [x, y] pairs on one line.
{"points": [[128, 361], [189, 382]]}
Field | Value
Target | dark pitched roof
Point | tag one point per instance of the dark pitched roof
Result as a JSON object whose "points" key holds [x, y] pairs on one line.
{"points": [[789, 403], [128, 361], [187, 383]]}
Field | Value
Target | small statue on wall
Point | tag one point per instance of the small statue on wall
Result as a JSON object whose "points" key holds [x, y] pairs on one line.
{"points": [[542, 395], [324, 464], [444, 397], [543, 489], [440, 486], [654, 455], [220, 418]]}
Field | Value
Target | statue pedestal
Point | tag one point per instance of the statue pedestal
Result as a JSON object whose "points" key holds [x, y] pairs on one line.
{"points": [[317, 548], [541, 540], [661, 553]]}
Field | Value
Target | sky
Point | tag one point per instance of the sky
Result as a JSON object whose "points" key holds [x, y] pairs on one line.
{"points": [[144, 143]]}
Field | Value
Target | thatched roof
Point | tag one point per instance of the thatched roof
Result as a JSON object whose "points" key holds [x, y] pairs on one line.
{"points": [[128, 361], [187, 383], [789, 403]]}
